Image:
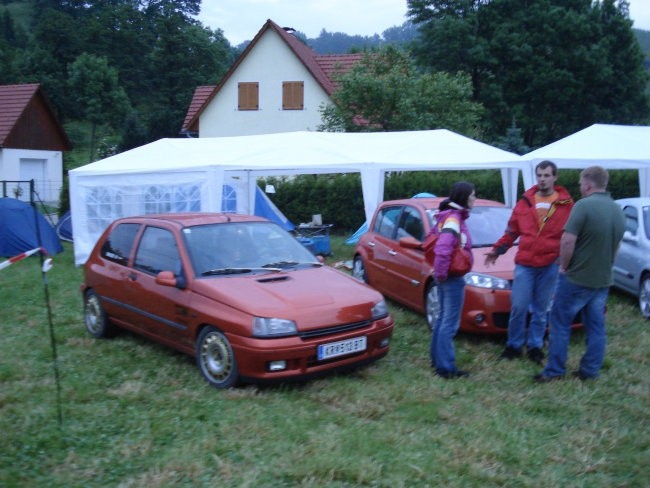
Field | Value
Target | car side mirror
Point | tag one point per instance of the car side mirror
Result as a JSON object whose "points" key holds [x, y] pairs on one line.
{"points": [[167, 278], [410, 243]]}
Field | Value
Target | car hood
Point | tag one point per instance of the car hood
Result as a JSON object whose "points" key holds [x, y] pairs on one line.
{"points": [[504, 266], [314, 296]]}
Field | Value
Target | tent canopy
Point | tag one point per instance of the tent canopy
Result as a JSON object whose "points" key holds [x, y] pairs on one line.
{"points": [[200, 174], [609, 146], [18, 224]]}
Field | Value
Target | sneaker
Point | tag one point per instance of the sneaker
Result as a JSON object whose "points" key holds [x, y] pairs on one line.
{"points": [[510, 353], [536, 355], [541, 378], [450, 375]]}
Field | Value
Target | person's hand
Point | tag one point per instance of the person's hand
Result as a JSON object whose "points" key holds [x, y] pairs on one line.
{"points": [[490, 258]]}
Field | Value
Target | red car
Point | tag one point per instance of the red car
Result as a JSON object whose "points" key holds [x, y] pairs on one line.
{"points": [[237, 292], [390, 259]]}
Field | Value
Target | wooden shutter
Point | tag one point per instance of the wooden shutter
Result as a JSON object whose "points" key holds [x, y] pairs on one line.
{"points": [[249, 96], [293, 95]]}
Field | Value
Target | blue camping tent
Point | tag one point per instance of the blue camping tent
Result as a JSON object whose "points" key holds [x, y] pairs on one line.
{"points": [[18, 222], [264, 207], [64, 227]]}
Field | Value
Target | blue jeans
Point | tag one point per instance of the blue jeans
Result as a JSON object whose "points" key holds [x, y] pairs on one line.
{"points": [[569, 300], [532, 290], [451, 294]]}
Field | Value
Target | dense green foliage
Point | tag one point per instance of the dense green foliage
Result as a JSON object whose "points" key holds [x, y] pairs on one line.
{"points": [[152, 55], [384, 92], [338, 197], [553, 66], [137, 414]]}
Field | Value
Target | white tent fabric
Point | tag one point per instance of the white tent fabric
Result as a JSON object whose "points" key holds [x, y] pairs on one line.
{"points": [[609, 146], [189, 174]]}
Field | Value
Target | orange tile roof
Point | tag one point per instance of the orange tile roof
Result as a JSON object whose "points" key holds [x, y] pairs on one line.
{"points": [[201, 94], [333, 64], [321, 67]]}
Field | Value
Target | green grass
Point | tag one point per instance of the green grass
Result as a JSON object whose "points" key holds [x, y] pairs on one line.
{"points": [[138, 414]]}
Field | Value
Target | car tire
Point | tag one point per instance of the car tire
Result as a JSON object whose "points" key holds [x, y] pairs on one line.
{"points": [[431, 305], [216, 359], [644, 296], [97, 324], [359, 269]]}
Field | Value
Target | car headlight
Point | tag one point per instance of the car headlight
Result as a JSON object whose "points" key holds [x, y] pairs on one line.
{"points": [[379, 310], [486, 281], [273, 327]]}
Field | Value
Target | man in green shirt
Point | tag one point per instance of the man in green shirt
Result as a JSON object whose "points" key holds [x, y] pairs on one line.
{"points": [[587, 249]]}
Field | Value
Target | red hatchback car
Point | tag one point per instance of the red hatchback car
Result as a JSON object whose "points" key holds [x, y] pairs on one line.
{"points": [[389, 258], [237, 292]]}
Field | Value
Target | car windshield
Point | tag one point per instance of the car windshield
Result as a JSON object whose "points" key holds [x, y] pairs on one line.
{"points": [[244, 247], [487, 224]]}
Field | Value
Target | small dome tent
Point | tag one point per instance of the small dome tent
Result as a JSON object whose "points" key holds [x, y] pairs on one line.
{"points": [[18, 225]]}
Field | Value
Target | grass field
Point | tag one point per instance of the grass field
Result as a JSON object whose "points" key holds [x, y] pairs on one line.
{"points": [[136, 414]]}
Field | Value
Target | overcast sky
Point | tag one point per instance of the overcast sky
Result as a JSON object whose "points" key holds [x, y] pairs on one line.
{"points": [[240, 20]]}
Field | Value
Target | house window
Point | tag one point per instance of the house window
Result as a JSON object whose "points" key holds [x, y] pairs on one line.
{"points": [[293, 95], [249, 98]]}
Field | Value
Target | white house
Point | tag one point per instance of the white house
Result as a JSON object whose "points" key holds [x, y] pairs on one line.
{"points": [[32, 142], [276, 85]]}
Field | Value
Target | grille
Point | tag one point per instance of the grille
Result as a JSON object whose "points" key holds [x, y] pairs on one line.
{"points": [[310, 334], [500, 319]]}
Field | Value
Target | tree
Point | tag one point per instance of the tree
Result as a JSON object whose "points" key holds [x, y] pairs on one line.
{"points": [[183, 57], [384, 92], [556, 66], [513, 141], [100, 99]]}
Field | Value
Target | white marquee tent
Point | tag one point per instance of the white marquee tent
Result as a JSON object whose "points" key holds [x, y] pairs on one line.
{"points": [[609, 146], [211, 174]]}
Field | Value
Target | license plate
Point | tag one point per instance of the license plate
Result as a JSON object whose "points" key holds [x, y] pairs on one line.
{"points": [[334, 349]]}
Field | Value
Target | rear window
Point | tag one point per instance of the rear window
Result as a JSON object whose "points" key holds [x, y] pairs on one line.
{"points": [[118, 245], [386, 221]]}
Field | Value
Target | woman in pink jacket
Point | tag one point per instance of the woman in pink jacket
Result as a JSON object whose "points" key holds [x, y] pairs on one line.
{"points": [[451, 224]]}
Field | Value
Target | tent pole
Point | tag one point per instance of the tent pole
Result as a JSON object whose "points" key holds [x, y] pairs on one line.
{"points": [[55, 362]]}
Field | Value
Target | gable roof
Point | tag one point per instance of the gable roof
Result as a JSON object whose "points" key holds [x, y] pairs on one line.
{"points": [[28, 121], [321, 67], [201, 95]]}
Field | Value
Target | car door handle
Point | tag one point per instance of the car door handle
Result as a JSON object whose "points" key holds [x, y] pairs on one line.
{"points": [[132, 276], [392, 253]]}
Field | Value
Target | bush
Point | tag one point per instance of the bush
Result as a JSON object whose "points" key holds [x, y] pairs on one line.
{"points": [[339, 198]]}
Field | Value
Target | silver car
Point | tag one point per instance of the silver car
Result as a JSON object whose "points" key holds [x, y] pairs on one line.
{"points": [[632, 263]]}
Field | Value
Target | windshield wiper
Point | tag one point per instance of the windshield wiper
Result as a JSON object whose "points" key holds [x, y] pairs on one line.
{"points": [[229, 271], [289, 264]]}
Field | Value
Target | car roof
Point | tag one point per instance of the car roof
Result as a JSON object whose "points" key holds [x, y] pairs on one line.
{"points": [[634, 201], [188, 219], [434, 203]]}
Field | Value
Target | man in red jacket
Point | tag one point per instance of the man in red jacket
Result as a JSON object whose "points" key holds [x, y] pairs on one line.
{"points": [[537, 221]]}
